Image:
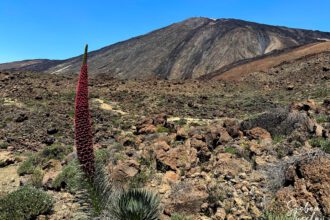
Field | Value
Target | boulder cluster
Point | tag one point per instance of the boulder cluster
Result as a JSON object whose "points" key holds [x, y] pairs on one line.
{"points": [[230, 169]]}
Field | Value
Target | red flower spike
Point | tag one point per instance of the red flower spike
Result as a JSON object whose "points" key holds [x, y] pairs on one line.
{"points": [[83, 128]]}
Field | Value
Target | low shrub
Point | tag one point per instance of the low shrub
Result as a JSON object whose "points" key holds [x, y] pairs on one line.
{"points": [[162, 129], [36, 178], [322, 143], [102, 156], [322, 118], [28, 166], [57, 152], [25, 203], [231, 150], [278, 139], [3, 145], [181, 122], [70, 178]]}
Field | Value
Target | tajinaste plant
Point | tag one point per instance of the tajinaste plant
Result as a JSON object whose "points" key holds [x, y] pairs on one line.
{"points": [[83, 128]]}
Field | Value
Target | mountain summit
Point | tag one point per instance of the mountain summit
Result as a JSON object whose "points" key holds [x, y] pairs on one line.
{"points": [[188, 49]]}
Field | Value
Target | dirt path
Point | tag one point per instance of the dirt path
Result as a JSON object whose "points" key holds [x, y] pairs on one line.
{"points": [[9, 179], [194, 120], [108, 107], [12, 102]]}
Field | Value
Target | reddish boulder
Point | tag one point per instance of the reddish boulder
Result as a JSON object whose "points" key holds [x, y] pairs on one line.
{"points": [[308, 182], [259, 134], [124, 170]]}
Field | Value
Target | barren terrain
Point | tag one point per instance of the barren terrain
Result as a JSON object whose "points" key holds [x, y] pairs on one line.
{"points": [[218, 149]]}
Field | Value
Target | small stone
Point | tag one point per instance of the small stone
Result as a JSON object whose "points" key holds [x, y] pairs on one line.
{"points": [[38, 97], [6, 162], [52, 131], [220, 214], [10, 148], [204, 206], [22, 117], [255, 211], [245, 217], [49, 140], [318, 130], [290, 87], [239, 201], [41, 217], [242, 175], [230, 217], [170, 176], [244, 189], [23, 181], [228, 177], [233, 181]]}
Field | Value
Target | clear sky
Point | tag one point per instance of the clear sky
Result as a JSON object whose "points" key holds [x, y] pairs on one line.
{"points": [[58, 29]]}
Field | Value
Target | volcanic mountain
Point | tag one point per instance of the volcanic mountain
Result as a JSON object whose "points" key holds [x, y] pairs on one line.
{"points": [[193, 48]]}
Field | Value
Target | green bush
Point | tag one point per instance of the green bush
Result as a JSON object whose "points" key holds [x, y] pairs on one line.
{"points": [[322, 118], [162, 129], [70, 177], [278, 139], [56, 152], [102, 156], [230, 150], [28, 166], [36, 178], [135, 204], [322, 143], [3, 145], [25, 203], [181, 121]]}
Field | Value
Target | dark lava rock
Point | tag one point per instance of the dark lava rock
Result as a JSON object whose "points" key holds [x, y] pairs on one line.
{"points": [[7, 162], [290, 87], [52, 131], [325, 69], [49, 140], [22, 117]]}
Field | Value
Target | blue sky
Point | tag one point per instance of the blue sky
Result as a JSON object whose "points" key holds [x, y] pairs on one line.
{"points": [[58, 29]]}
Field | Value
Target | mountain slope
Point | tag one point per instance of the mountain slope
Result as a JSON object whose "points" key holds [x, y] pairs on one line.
{"points": [[188, 49], [264, 63], [33, 65]]}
